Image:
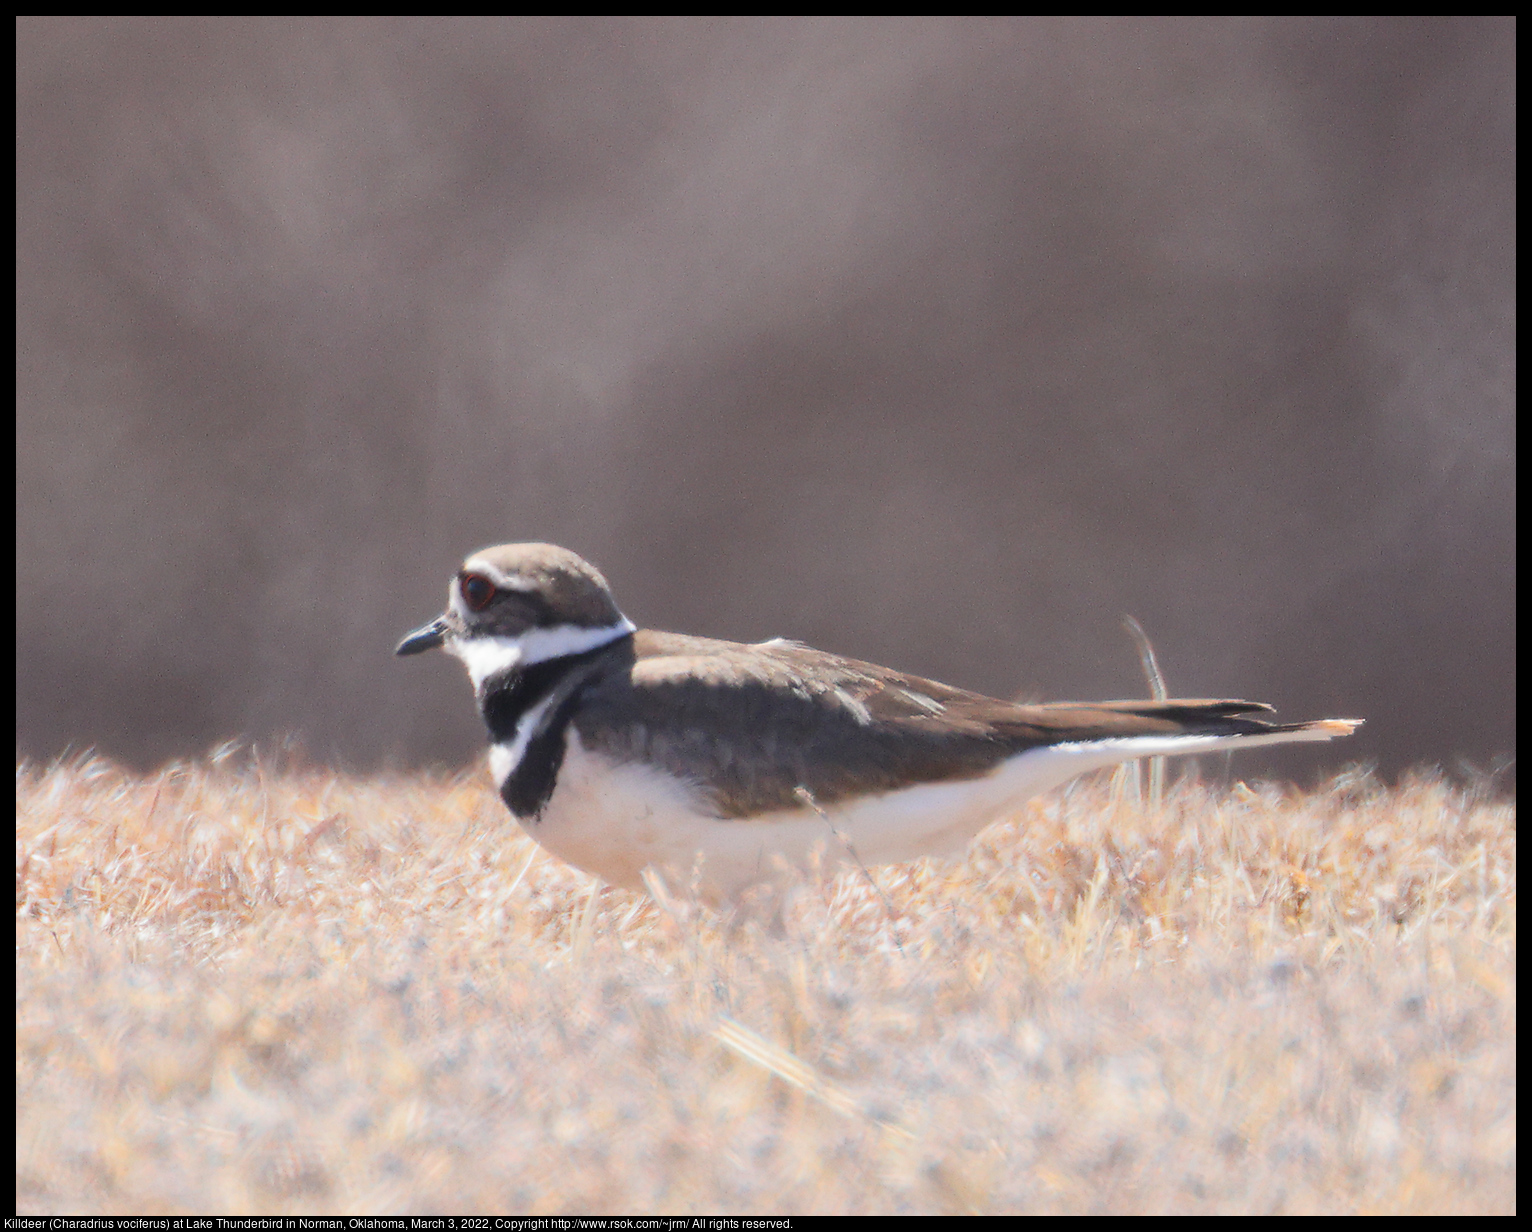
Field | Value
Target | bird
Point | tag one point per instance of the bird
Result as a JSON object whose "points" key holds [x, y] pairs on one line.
{"points": [[723, 766]]}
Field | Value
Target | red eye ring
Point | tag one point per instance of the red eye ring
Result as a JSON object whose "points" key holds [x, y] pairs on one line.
{"points": [[477, 591]]}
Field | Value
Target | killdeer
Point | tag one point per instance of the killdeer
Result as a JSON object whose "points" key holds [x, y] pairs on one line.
{"points": [[720, 764]]}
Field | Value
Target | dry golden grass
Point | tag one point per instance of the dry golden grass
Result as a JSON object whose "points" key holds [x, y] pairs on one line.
{"points": [[240, 990]]}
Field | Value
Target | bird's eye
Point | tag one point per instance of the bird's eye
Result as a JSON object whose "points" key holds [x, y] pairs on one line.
{"points": [[477, 591]]}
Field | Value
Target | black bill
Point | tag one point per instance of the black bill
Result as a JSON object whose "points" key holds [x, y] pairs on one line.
{"points": [[427, 637]]}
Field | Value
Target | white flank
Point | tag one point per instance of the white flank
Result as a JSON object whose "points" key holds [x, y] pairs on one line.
{"points": [[485, 655], [616, 819]]}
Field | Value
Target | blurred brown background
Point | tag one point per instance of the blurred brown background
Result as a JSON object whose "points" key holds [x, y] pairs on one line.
{"points": [[942, 343]]}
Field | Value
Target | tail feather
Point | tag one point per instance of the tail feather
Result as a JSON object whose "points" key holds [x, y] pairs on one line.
{"points": [[1183, 707], [1178, 719]]}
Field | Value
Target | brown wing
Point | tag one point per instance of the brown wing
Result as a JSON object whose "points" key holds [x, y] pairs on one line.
{"points": [[764, 720]]}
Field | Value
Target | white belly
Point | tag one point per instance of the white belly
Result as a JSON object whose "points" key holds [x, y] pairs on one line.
{"points": [[615, 820]]}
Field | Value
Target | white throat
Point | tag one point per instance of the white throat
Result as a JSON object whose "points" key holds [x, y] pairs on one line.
{"points": [[485, 655]]}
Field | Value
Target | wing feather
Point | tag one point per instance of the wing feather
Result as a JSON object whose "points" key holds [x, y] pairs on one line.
{"points": [[749, 725]]}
